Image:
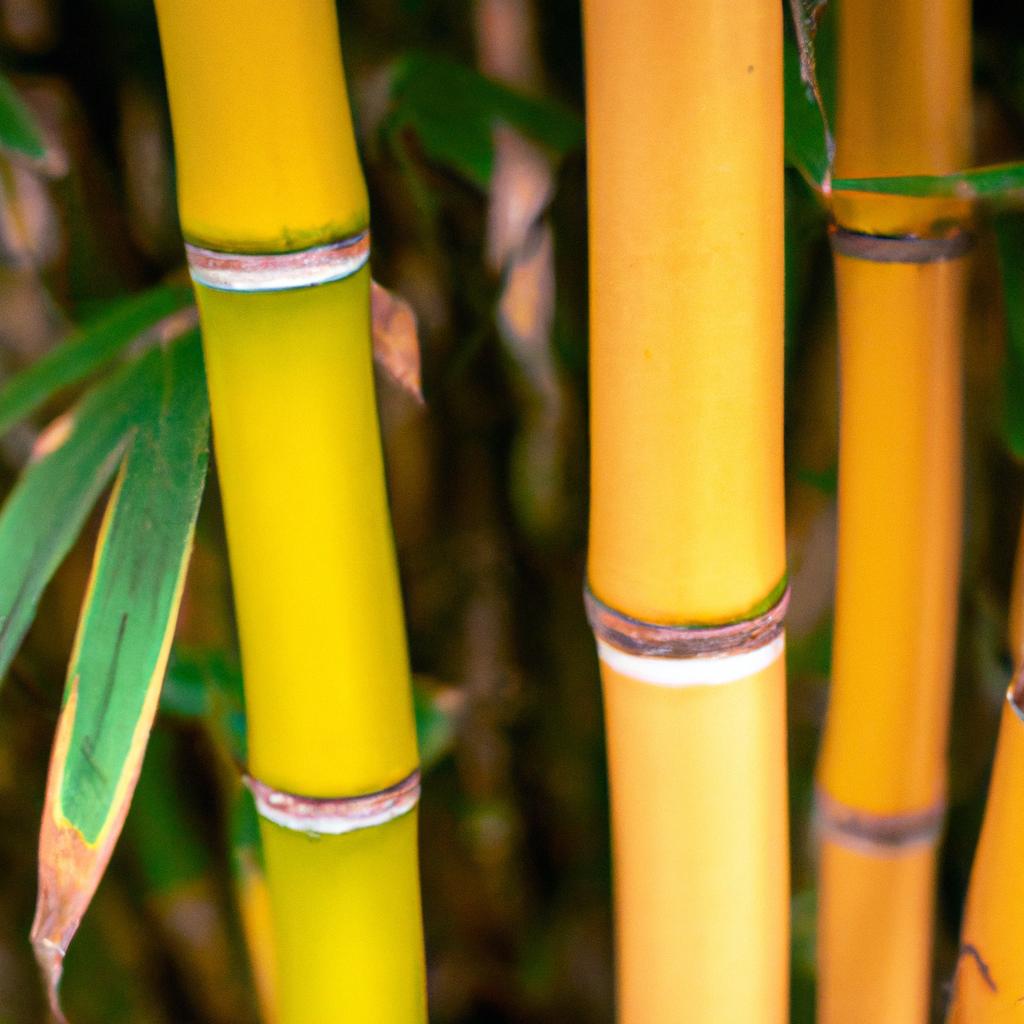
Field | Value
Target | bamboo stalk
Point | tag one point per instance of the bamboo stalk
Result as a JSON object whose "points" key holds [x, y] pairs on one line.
{"points": [[684, 118], [274, 208], [989, 977], [903, 109]]}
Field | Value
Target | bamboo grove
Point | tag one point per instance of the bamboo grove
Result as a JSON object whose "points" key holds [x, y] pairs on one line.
{"points": [[613, 615]]}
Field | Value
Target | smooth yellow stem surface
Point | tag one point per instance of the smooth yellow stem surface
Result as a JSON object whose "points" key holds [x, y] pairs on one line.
{"points": [[319, 612], [903, 108], [899, 535], [698, 793], [267, 162], [684, 136], [265, 152], [989, 981], [904, 75], [346, 915], [874, 934]]}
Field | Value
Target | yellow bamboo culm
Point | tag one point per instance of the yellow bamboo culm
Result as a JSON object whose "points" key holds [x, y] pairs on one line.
{"points": [[989, 978], [903, 108], [274, 208], [686, 568]]}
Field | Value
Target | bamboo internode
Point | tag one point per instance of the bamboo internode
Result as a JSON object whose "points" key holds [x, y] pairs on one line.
{"points": [[899, 279], [989, 978], [274, 210], [684, 118]]}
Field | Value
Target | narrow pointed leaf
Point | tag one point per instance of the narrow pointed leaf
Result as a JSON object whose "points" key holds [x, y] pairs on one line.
{"points": [[438, 710], [810, 147], [87, 350], [1010, 246], [453, 110], [47, 509], [998, 184], [121, 649], [17, 129]]}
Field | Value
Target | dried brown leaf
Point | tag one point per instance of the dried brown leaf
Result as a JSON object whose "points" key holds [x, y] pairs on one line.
{"points": [[396, 346]]}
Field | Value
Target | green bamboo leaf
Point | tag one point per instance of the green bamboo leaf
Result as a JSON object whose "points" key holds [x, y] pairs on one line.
{"points": [[436, 709], [1009, 229], [121, 649], [17, 129], [47, 509], [1000, 184], [810, 148], [88, 350], [453, 110]]}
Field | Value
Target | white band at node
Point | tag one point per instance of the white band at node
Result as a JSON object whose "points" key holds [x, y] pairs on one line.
{"points": [[334, 816], [278, 271], [714, 670]]}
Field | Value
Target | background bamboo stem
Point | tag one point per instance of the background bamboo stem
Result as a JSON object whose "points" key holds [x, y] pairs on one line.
{"points": [[903, 108], [684, 139]]}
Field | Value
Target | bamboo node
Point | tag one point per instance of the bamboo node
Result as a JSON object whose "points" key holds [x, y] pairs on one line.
{"points": [[861, 245], [686, 655], [877, 834], [278, 271], [334, 816]]}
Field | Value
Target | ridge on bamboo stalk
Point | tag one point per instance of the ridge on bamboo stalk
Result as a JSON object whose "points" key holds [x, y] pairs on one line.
{"points": [[881, 776], [275, 215], [686, 571]]}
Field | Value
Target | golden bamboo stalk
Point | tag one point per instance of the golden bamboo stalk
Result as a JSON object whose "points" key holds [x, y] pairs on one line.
{"points": [[274, 208], [904, 81], [989, 976], [686, 566]]}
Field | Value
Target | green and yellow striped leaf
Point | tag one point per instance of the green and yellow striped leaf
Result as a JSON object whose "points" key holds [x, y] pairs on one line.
{"points": [[121, 650], [47, 509], [88, 350]]}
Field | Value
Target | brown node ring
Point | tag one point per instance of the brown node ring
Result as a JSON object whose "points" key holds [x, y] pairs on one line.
{"points": [[862, 245], [877, 834], [278, 271], [654, 640], [333, 816]]}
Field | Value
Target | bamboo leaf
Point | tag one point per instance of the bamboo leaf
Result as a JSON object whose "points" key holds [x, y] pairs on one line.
{"points": [[18, 131], [87, 350], [48, 507], [437, 711], [1009, 229], [453, 110], [396, 343], [810, 147], [121, 649], [1000, 184]]}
